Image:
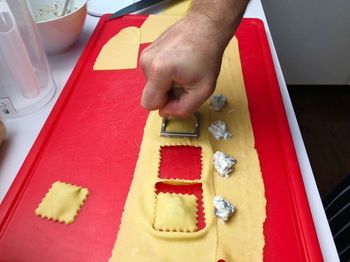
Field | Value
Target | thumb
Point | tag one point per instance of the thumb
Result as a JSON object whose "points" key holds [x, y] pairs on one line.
{"points": [[189, 102], [155, 93]]}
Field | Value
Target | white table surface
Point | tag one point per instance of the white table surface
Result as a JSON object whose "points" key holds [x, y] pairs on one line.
{"points": [[22, 132]]}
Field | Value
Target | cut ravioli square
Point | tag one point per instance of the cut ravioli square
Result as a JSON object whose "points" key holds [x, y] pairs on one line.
{"points": [[176, 212], [62, 202]]}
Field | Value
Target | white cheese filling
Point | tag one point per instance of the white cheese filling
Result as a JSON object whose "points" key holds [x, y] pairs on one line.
{"points": [[217, 102], [223, 209], [223, 164], [219, 130]]}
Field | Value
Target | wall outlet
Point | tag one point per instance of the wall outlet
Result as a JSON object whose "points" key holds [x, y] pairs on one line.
{"points": [[6, 107]]}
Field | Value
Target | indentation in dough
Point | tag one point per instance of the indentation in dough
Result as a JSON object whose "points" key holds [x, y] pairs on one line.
{"points": [[62, 202], [121, 51]]}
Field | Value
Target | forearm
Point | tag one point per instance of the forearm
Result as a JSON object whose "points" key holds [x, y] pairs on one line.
{"points": [[224, 15]]}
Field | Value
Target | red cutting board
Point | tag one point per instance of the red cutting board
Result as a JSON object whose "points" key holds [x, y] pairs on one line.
{"points": [[92, 139]]}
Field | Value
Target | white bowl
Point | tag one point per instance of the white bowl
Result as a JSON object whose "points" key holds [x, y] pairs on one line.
{"points": [[58, 32]]}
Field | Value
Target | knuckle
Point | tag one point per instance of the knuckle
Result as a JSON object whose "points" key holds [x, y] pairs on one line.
{"points": [[157, 68], [144, 58]]}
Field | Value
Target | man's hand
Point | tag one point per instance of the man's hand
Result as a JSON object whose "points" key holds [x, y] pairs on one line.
{"points": [[187, 55], [184, 56]]}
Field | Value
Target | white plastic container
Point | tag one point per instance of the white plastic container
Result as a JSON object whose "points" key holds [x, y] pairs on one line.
{"points": [[58, 33], [26, 83]]}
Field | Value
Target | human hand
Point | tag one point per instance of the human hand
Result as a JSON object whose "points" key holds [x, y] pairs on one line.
{"points": [[188, 55]]}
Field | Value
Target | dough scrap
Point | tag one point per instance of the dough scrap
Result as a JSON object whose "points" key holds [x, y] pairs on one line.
{"points": [[120, 52], [243, 234], [176, 212], [150, 32], [178, 7], [62, 202]]}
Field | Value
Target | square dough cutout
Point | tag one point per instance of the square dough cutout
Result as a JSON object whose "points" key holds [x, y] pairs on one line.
{"points": [[62, 202], [176, 212]]}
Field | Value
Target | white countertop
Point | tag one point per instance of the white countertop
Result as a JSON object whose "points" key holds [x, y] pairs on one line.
{"points": [[22, 132]]}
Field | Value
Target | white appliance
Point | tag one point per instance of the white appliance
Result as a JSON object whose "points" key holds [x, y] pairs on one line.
{"points": [[312, 40], [26, 83]]}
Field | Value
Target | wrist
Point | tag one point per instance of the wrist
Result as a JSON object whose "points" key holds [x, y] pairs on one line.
{"points": [[203, 27], [223, 15]]}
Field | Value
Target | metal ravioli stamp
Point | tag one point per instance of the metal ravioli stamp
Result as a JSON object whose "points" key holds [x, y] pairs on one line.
{"points": [[164, 132]]}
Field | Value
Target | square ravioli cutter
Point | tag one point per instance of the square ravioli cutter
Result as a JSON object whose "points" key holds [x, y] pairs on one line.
{"points": [[176, 93], [195, 134]]}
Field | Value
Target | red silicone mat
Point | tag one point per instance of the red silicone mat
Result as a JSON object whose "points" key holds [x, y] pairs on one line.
{"points": [[92, 139]]}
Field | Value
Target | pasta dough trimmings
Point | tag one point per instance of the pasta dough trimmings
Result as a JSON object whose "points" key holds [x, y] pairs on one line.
{"points": [[176, 212], [62, 202], [223, 164]]}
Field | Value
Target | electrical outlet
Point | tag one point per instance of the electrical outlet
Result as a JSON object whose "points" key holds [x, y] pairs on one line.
{"points": [[6, 107]]}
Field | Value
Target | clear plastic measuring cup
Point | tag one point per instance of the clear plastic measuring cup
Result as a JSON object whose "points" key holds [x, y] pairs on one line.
{"points": [[26, 83]]}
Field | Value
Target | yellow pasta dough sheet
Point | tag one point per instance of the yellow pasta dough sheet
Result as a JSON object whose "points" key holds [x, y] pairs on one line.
{"points": [[62, 202], [239, 239]]}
